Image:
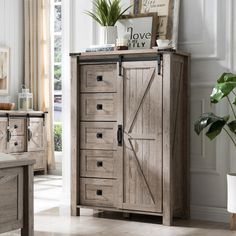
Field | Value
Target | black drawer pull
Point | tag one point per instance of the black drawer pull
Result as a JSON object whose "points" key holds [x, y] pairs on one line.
{"points": [[99, 135], [99, 192], [15, 143], [99, 78], [119, 135], [99, 164], [15, 126], [99, 106]]}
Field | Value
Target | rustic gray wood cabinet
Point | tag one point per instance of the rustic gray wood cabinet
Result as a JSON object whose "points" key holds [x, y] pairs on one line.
{"points": [[130, 132], [22, 134], [16, 194]]}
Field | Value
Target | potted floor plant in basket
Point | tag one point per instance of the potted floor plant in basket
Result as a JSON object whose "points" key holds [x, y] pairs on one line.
{"points": [[224, 89], [106, 13]]}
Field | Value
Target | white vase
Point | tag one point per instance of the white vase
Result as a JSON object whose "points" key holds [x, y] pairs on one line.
{"points": [[108, 34], [231, 192]]}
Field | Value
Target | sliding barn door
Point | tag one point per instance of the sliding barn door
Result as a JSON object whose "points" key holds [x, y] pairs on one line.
{"points": [[142, 147]]}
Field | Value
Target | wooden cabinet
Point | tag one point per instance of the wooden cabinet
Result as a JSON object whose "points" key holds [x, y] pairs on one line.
{"points": [[16, 194], [130, 132], [23, 135]]}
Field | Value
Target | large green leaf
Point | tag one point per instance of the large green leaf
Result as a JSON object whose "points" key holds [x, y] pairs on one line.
{"points": [[227, 77], [222, 90], [232, 126], [216, 124]]}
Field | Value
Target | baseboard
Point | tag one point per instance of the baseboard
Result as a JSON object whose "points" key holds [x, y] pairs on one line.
{"points": [[209, 213]]}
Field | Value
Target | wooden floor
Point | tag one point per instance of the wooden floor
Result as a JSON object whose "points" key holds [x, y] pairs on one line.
{"points": [[51, 221]]}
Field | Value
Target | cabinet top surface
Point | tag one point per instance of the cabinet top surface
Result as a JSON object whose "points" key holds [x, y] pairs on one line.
{"points": [[127, 53], [7, 160], [22, 113]]}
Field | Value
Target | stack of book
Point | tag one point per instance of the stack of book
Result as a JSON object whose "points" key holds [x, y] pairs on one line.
{"points": [[99, 48]]}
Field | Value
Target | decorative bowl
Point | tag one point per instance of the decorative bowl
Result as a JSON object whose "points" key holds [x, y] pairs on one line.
{"points": [[7, 106]]}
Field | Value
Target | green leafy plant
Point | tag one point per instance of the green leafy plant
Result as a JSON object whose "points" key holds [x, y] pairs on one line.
{"points": [[223, 89], [58, 136], [107, 12]]}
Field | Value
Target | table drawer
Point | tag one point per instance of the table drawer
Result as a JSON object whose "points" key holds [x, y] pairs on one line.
{"points": [[98, 135], [11, 195], [98, 78], [17, 126], [100, 164], [97, 192], [16, 144], [99, 107]]}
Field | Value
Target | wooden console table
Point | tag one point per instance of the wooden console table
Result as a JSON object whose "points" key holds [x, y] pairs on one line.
{"points": [[16, 194]]}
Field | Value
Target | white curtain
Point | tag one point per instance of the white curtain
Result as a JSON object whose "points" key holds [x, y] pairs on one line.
{"points": [[38, 76]]}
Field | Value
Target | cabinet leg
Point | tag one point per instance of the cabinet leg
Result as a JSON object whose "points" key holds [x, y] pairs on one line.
{"points": [[75, 211], [167, 220], [28, 217], [232, 218]]}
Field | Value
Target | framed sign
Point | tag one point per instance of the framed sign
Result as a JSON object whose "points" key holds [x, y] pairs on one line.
{"points": [[141, 30], [4, 71], [168, 16]]}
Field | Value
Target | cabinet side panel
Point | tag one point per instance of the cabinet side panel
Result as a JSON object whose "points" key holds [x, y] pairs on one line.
{"points": [[74, 136]]}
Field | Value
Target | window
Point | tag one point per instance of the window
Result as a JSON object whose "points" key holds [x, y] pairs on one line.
{"points": [[57, 67]]}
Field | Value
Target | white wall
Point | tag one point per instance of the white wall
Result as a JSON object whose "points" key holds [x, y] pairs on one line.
{"points": [[11, 35], [207, 31]]}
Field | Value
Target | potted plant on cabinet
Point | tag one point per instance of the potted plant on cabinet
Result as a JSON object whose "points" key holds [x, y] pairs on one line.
{"points": [[224, 88], [106, 13]]}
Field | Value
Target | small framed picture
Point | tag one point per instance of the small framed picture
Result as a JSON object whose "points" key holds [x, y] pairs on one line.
{"points": [[140, 29], [4, 71]]}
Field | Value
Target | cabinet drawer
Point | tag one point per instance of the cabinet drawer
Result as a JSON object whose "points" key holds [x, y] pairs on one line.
{"points": [[97, 192], [11, 195], [16, 144], [17, 126], [98, 78], [100, 164], [98, 135], [98, 107]]}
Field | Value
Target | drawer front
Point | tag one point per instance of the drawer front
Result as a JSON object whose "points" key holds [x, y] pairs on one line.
{"points": [[17, 126], [98, 78], [3, 135], [11, 195], [39, 157], [100, 164], [97, 192], [35, 135], [16, 144], [98, 107], [98, 135]]}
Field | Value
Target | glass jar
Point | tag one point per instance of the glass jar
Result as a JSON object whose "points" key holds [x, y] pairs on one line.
{"points": [[25, 100]]}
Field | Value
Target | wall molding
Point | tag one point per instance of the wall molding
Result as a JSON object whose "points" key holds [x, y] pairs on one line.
{"points": [[216, 214]]}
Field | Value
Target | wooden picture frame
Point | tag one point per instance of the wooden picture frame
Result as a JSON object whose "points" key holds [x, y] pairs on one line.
{"points": [[141, 28], [4, 70], [168, 16]]}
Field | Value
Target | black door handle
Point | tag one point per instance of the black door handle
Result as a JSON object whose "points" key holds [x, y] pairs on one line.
{"points": [[119, 135]]}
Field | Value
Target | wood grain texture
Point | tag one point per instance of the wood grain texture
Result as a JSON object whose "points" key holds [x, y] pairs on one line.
{"points": [[105, 83], [142, 117], [148, 172], [97, 192], [75, 132], [99, 107], [3, 135], [97, 163], [16, 194]]}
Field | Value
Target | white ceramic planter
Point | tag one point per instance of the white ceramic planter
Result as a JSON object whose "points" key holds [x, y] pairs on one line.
{"points": [[108, 35], [231, 192]]}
